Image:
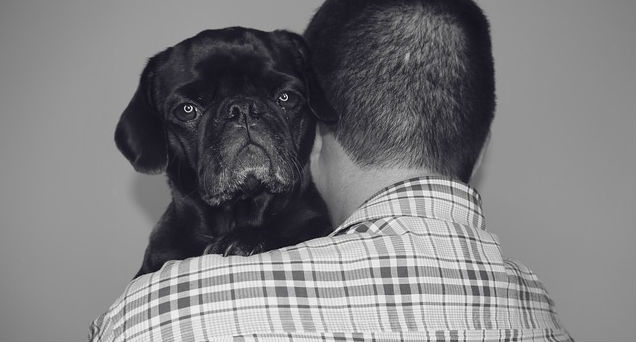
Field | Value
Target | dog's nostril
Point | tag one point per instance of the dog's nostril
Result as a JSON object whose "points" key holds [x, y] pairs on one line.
{"points": [[235, 111], [254, 110]]}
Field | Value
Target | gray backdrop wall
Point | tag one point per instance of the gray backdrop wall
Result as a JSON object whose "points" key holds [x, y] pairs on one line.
{"points": [[558, 180]]}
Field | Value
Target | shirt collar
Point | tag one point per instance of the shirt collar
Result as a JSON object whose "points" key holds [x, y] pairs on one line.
{"points": [[431, 197]]}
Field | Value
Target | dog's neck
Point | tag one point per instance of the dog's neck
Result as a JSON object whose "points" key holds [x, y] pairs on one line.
{"points": [[186, 201]]}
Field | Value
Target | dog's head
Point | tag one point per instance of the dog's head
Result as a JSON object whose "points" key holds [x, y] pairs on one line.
{"points": [[235, 107]]}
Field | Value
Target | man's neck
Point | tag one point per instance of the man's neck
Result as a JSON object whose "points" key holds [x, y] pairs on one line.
{"points": [[343, 184], [362, 184], [349, 185]]}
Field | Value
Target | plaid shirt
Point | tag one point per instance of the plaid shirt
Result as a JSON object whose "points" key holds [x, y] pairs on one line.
{"points": [[413, 263]]}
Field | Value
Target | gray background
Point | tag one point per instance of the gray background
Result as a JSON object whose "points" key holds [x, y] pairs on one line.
{"points": [[558, 180]]}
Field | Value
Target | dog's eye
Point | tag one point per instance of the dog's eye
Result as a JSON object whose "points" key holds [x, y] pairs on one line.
{"points": [[283, 97], [288, 99], [186, 112]]}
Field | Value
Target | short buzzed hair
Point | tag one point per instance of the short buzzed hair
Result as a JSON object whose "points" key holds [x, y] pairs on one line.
{"points": [[412, 80]]}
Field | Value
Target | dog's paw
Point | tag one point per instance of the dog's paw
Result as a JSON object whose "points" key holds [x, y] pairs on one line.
{"points": [[241, 242]]}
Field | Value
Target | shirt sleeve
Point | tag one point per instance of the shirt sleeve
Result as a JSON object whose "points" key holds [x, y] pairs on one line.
{"points": [[378, 283], [154, 301], [211, 296], [101, 329]]}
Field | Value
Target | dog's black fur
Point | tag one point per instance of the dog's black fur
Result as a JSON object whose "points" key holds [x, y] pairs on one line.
{"points": [[227, 115]]}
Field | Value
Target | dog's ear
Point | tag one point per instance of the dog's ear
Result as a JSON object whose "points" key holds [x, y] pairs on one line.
{"points": [[140, 135], [318, 102]]}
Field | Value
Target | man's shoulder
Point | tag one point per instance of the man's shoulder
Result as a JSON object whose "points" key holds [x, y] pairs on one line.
{"points": [[338, 284], [416, 259]]}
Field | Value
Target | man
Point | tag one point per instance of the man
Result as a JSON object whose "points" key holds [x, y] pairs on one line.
{"points": [[410, 260]]}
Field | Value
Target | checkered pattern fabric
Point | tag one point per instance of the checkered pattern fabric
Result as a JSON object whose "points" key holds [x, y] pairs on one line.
{"points": [[413, 263]]}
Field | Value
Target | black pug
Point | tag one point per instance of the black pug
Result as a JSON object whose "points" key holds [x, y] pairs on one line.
{"points": [[229, 115]]}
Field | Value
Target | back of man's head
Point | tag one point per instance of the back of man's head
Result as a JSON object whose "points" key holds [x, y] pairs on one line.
{"points": [[412, 81]]}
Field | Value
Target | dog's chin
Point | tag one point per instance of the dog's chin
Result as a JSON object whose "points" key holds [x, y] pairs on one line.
{"points": [[249, 174], [249, 182], [245, 187]]}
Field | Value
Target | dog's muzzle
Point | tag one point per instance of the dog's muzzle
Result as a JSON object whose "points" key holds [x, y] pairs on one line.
{"points": [[248, 159]]}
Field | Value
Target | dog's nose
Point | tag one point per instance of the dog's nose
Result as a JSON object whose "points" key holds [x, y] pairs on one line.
{"points": [[241, 110]]}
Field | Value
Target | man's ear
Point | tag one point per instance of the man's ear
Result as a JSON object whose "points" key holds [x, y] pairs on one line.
{"points": [[318, 102], [140, 135], [481, 156], [317, 146], [315, 158]]}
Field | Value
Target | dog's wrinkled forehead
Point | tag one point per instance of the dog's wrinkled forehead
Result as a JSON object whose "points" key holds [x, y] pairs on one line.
{"points": [[233, 57]]}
